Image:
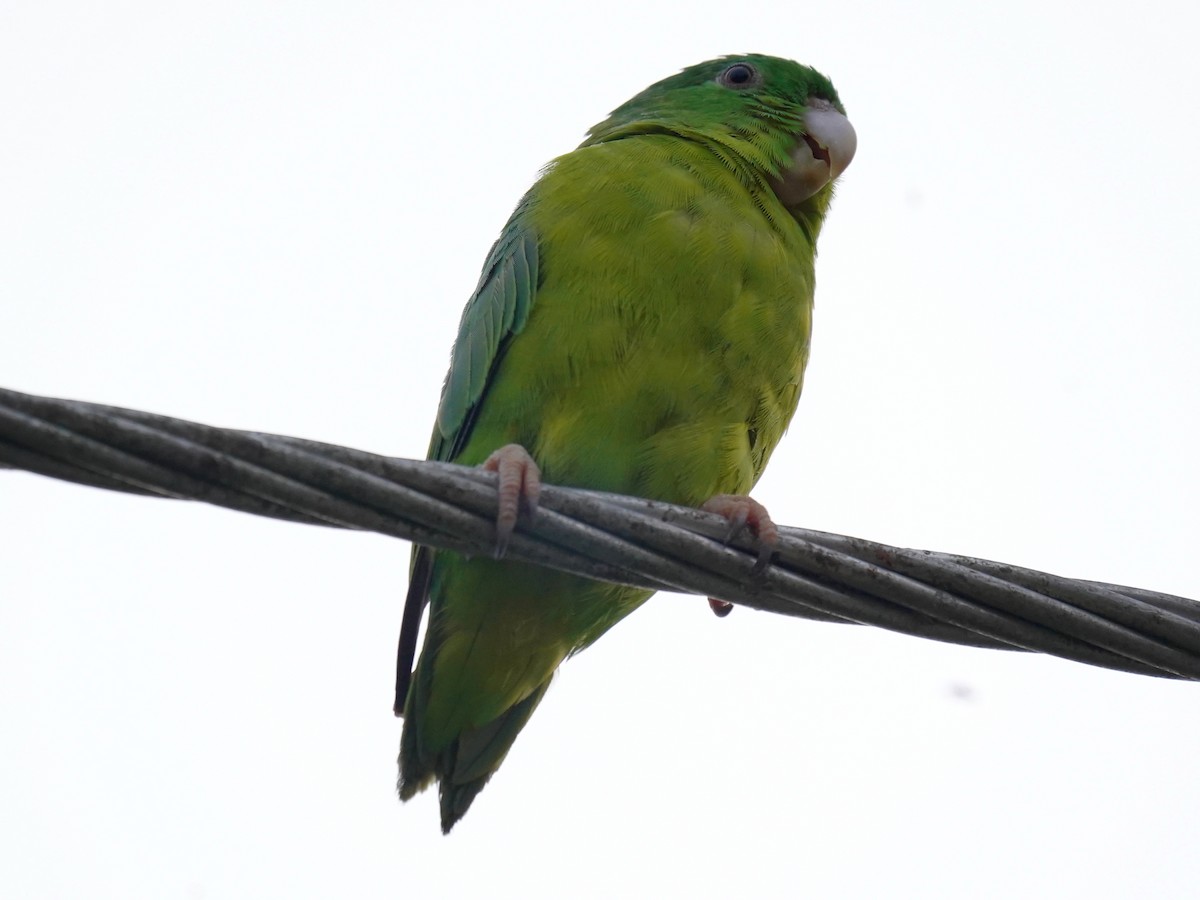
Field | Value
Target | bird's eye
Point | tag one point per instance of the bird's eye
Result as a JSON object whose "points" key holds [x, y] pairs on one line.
{"points": [[740, 75]]}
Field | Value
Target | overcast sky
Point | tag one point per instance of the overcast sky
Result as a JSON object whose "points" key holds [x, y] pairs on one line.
{"points": [[268, 217]]}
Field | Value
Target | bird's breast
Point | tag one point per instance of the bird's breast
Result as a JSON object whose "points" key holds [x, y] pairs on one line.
{"points": [[664, 352]]}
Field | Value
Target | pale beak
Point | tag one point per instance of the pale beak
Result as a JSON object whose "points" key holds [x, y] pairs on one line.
{"points": [[821, 154]]}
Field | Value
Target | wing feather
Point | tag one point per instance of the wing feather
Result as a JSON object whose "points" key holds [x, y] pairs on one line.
{"points": [[497, 310]]}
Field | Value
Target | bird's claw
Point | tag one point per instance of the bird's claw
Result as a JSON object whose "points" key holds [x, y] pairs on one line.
{"points": [[720, 608], [519, 481], [743, 512]]}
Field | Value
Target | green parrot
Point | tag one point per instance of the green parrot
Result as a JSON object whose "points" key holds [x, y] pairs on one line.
{"points": [[641, 326]]}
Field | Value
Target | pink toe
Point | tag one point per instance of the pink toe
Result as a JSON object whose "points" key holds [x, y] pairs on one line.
{"points": [[518, 480]]}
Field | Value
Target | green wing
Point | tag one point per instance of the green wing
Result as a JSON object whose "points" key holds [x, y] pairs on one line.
{"points": [[497, 310]]}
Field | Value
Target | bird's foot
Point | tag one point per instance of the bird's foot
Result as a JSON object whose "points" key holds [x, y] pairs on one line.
{"points": [[720, 608], [742, 512], [519, 482]]}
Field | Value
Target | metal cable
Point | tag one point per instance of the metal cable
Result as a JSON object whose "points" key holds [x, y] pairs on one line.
{"points": [[812, 575]]}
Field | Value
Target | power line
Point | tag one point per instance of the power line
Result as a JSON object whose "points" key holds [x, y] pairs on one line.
{"points": [[813, 574]]}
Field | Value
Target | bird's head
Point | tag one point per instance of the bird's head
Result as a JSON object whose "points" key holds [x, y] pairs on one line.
{"points": [[778, 120]]}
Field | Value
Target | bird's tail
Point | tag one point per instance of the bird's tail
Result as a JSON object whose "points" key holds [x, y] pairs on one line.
{"points": [[465, 765]]}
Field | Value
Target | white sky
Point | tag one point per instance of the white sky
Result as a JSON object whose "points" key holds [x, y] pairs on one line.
{"points": [[268, 217]]}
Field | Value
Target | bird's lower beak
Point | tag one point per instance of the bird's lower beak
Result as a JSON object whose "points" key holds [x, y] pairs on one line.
{"points": [[821, 154]]}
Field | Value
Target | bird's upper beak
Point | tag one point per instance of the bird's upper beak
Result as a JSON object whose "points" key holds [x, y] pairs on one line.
{"points": [[821, 154]]}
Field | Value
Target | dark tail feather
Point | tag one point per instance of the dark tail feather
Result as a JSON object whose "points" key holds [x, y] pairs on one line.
{"points": [[421, 571], [477, 754], [465, 766]]}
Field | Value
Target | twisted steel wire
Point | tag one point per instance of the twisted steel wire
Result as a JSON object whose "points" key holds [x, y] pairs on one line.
{"points": [[813, 574]]}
